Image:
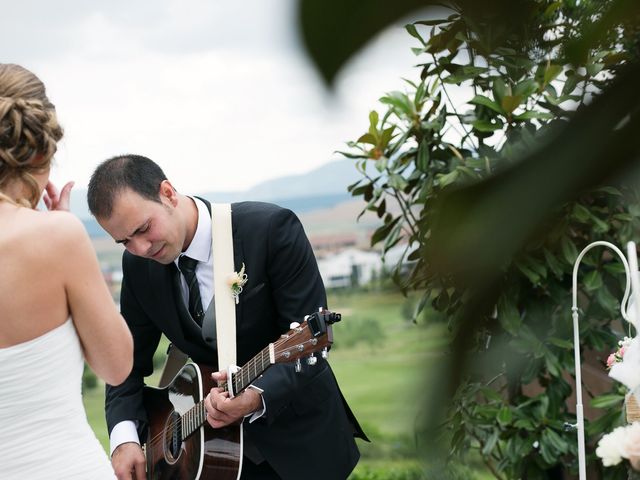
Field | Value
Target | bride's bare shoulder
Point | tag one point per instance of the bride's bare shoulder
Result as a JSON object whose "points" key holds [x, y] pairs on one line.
{"points": [[43, 227]]}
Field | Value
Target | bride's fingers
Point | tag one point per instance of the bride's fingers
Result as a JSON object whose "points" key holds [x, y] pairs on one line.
{"points": [[64, 199], [58, 200], [46, 200], [51, 190]]}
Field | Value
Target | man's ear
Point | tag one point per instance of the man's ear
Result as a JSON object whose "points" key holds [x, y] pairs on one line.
{"points": [[168, 192]]}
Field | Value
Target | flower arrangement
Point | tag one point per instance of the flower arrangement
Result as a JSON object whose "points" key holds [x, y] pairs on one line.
{"points": [[236, 281], [622, 443], [618, 355]]}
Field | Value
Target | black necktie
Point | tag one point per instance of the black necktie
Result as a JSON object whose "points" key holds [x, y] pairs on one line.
{"points": [[188, 268]]}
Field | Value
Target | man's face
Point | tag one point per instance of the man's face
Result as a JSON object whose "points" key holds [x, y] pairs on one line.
{"points": [[146, 228]]}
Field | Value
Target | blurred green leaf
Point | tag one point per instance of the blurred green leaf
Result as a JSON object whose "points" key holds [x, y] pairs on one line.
{"points": [[422, 161], [504, 416], [414, 32], [569, 250], [510, 103], [508, 315], [367, 138], [383, 231], [551, 72], [448, 178], [607, 401], [530, 115], [592, 280], [486, 102], [397, 182], [524, 89], [487, 126]]}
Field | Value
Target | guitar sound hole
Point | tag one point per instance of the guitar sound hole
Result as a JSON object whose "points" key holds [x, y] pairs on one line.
{"points": [[172, 437]]}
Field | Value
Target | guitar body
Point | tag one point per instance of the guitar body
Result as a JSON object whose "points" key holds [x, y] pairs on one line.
{"points": [[181, 445], [205, 454]]}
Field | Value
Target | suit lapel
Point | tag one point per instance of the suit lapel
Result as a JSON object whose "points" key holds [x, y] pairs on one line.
{"points": [[161, 283]]}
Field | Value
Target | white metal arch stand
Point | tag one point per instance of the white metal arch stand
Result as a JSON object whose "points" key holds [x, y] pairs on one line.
{"points": [[576, 335]]}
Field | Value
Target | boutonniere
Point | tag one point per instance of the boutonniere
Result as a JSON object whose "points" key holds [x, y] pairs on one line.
{"points": [[236, 281]]}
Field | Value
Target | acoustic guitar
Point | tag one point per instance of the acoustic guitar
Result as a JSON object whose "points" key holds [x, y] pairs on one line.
{"points": [[181, 445]]}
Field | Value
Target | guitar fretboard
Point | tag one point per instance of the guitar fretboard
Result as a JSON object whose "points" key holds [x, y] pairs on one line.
{"points": [[252, 370], [196, 416]]}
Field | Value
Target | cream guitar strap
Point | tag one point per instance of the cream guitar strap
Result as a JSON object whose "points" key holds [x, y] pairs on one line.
{"points": [[225, 308], [223, 267]]}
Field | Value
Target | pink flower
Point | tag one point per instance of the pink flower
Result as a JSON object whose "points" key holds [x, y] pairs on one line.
{"points": [[611, 360], [621, 351]]}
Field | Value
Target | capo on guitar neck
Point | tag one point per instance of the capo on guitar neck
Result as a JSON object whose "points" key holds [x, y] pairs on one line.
{"points": [[319, 320]]}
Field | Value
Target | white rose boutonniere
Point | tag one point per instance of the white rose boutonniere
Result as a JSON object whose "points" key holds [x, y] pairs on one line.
{"points": [[236, 281]]}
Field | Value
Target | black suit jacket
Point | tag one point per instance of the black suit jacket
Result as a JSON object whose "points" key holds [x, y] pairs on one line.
{"points": [[308, 430]]}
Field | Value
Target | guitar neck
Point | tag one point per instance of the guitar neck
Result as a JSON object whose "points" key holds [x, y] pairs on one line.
{"points": [[303, 340], [246, 375], [196, 416]]}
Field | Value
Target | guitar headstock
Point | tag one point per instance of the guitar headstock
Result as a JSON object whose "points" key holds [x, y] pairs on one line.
{"points": [[311, 336]]}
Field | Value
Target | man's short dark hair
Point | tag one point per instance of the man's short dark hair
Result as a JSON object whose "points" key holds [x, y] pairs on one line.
{"points": [[111, 177]]}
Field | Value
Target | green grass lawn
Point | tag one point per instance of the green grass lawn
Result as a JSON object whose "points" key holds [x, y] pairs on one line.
{"points": [[382, 362], [382, 380], [94, 405]]}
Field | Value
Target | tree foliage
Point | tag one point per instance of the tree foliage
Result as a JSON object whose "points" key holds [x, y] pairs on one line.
{"points": [[487, 95]]}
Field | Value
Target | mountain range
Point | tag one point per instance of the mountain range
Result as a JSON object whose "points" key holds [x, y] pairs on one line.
{"points": [[323, 188]]}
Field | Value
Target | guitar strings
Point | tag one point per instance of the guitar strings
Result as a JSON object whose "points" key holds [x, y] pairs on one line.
{"points": [[159, 437]]}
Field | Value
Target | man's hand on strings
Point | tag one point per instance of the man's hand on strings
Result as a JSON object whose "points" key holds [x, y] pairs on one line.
{"points": [[223, 410]]}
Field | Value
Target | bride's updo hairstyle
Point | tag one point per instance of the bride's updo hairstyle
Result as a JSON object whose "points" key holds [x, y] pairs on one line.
{"points": [[29, 132]]}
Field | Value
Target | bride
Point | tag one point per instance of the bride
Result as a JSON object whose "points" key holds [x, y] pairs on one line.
{"points": [[55, 308]]}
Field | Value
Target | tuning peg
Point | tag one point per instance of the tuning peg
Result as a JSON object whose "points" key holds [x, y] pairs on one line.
{"points": [[324, 353], [312, 360], [298, 366], [293, 325]]}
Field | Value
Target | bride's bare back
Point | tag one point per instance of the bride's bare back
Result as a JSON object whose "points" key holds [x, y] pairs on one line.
{"points": [[48, 272]]}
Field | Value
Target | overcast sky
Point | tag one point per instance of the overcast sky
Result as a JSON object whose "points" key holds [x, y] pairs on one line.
{"points": [[219, 93]]}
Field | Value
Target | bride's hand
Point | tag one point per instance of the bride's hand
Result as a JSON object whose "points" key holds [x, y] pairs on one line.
{"points": [[55, 200]]}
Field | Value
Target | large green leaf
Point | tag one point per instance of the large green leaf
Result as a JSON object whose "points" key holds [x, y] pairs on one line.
{"points": [[333, 31]]}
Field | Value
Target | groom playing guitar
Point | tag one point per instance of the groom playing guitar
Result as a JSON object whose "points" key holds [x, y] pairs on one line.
{"points": [[296, 421]]}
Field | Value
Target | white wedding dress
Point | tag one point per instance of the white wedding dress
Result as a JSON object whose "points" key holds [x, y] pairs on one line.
{"points": [[44, 433]]}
